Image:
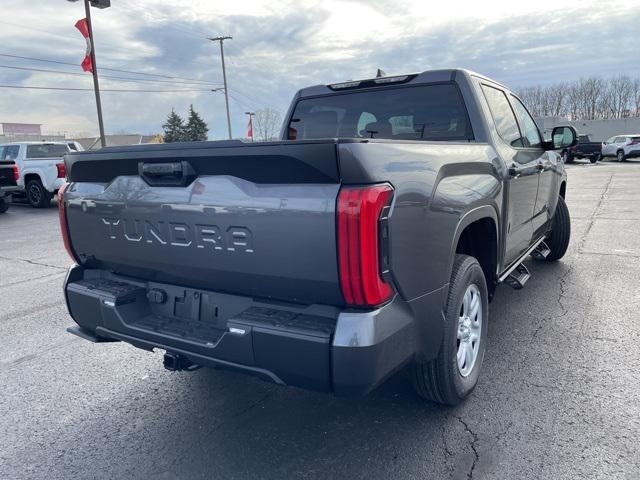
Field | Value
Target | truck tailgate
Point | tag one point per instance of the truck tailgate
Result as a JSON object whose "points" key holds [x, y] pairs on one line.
{"points": [[224, 216]]}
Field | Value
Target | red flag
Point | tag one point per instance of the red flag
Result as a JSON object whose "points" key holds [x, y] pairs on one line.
{"points": [[250, 128], [83, 26]]}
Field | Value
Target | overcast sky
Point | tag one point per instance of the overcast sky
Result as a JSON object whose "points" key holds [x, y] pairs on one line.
{"points": [[279, 46]]}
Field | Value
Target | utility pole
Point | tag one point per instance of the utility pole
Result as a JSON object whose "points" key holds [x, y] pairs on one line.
{"points": [[224, 77], [92, 53], [251, 115], [96, 85]]}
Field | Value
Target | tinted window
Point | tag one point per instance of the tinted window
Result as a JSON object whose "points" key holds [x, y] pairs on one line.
{"points": [[46, 150], [11, 152], [427, 112], [503, 116], [527, 124], [620, 139]]}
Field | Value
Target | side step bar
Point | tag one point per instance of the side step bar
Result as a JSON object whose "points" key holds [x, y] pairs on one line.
{"points": [[518, 277], [518, 274], [541, 252]]}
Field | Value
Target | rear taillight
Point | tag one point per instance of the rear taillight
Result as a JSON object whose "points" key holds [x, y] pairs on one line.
{"points": [[16, 173], [64, 226], [634, 142], [574, 149], [362, 238], [61, 171], [292, 134]]}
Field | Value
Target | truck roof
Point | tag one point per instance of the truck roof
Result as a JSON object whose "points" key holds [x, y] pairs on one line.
{"points": [[427, 76]]}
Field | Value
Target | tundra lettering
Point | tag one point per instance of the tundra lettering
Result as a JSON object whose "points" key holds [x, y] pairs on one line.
{"points": [[180, 234]]}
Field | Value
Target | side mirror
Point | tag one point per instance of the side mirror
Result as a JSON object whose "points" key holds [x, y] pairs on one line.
{"points": [[563, 137]]}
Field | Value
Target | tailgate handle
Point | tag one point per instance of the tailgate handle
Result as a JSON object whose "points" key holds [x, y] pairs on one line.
{"points": [[167, 174]]}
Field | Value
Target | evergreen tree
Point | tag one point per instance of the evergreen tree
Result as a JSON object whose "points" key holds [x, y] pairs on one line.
{"points": [[196, 129], [174, 129]]}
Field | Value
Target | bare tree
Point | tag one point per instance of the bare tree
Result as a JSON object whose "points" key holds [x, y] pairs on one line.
{"points": [[267, 124], [588, 98], [620, 96], [636, 96]]}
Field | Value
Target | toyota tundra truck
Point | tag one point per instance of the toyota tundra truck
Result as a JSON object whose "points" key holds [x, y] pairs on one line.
{"points": [[370, 238]]}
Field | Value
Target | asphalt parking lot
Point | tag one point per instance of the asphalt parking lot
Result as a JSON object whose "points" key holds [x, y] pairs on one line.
{"points": [[559, 397]]}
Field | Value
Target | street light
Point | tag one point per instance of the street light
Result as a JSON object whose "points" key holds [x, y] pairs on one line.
{"points": [[101, 4]]}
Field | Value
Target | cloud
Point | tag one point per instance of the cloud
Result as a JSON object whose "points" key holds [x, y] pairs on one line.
{"points": [[283, 45]]}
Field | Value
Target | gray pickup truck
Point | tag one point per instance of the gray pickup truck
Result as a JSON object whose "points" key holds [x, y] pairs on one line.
{"points": [[370, 238]]}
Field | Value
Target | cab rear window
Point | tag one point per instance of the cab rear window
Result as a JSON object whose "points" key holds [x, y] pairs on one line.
{"points": [[425, 112]]}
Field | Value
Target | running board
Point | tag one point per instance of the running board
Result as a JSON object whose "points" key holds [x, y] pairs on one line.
{"points": [[517, 274], [541, 252], [518, 277]]}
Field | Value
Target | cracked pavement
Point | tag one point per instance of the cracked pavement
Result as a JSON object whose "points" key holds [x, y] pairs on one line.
{"points": [[559, 396]]}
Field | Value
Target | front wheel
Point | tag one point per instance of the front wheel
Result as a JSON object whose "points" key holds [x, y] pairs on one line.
{"points": [[37, 195], [558, 239], [453, 374]]}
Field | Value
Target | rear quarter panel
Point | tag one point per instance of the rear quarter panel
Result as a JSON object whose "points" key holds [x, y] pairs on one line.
{"points": [[437, 184]]}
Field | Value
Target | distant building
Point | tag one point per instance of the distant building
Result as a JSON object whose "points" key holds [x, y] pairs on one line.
{"points": [[25, 132], [599, 130], [93, 143]]}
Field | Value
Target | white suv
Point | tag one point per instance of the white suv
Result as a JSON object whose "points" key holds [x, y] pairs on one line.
{"points": [[39, 168], [622, 147]]}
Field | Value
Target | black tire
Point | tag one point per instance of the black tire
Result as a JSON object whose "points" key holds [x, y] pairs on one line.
{"points": [[567, 157], [37, 195], [595, 157], [620, 156], [4, 205], [440, 380], [558, 239]]}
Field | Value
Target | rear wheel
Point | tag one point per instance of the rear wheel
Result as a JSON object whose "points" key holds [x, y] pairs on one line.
{"points": [[453, 374], [620, 156], [37, 195], [595, 157], [558, 239], [4, 205]]}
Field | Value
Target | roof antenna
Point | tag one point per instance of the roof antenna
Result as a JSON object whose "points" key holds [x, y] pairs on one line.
{"points": [[380, 73]]}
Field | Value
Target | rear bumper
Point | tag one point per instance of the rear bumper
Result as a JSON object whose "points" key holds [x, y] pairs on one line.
{"points": [[315, 347]]}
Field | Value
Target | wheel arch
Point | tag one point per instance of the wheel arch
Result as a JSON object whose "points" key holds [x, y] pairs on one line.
{"points": [[478, 228]]}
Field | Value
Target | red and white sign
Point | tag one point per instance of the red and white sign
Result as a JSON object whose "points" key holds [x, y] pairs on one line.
{"points": [[83, 26], [250, 128]]}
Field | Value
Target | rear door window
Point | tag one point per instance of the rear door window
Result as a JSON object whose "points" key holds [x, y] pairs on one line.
{"points": [[423, 112], [503, 116]]}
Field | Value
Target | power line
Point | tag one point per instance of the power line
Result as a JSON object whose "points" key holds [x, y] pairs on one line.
{"points": [[33, 87], [125, 79], [172, 77]]}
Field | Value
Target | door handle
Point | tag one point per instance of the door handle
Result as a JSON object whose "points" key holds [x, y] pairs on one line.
{"points": [[514, 171], [540, 167]]}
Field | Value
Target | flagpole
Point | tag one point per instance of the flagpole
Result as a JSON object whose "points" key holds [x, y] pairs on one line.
{"points": [[96, 86]]}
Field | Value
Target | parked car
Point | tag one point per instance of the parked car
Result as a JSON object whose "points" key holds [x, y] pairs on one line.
{"points": [[8, 174], [372, 236], [40, 168], [585, 148], [622, 147]]}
